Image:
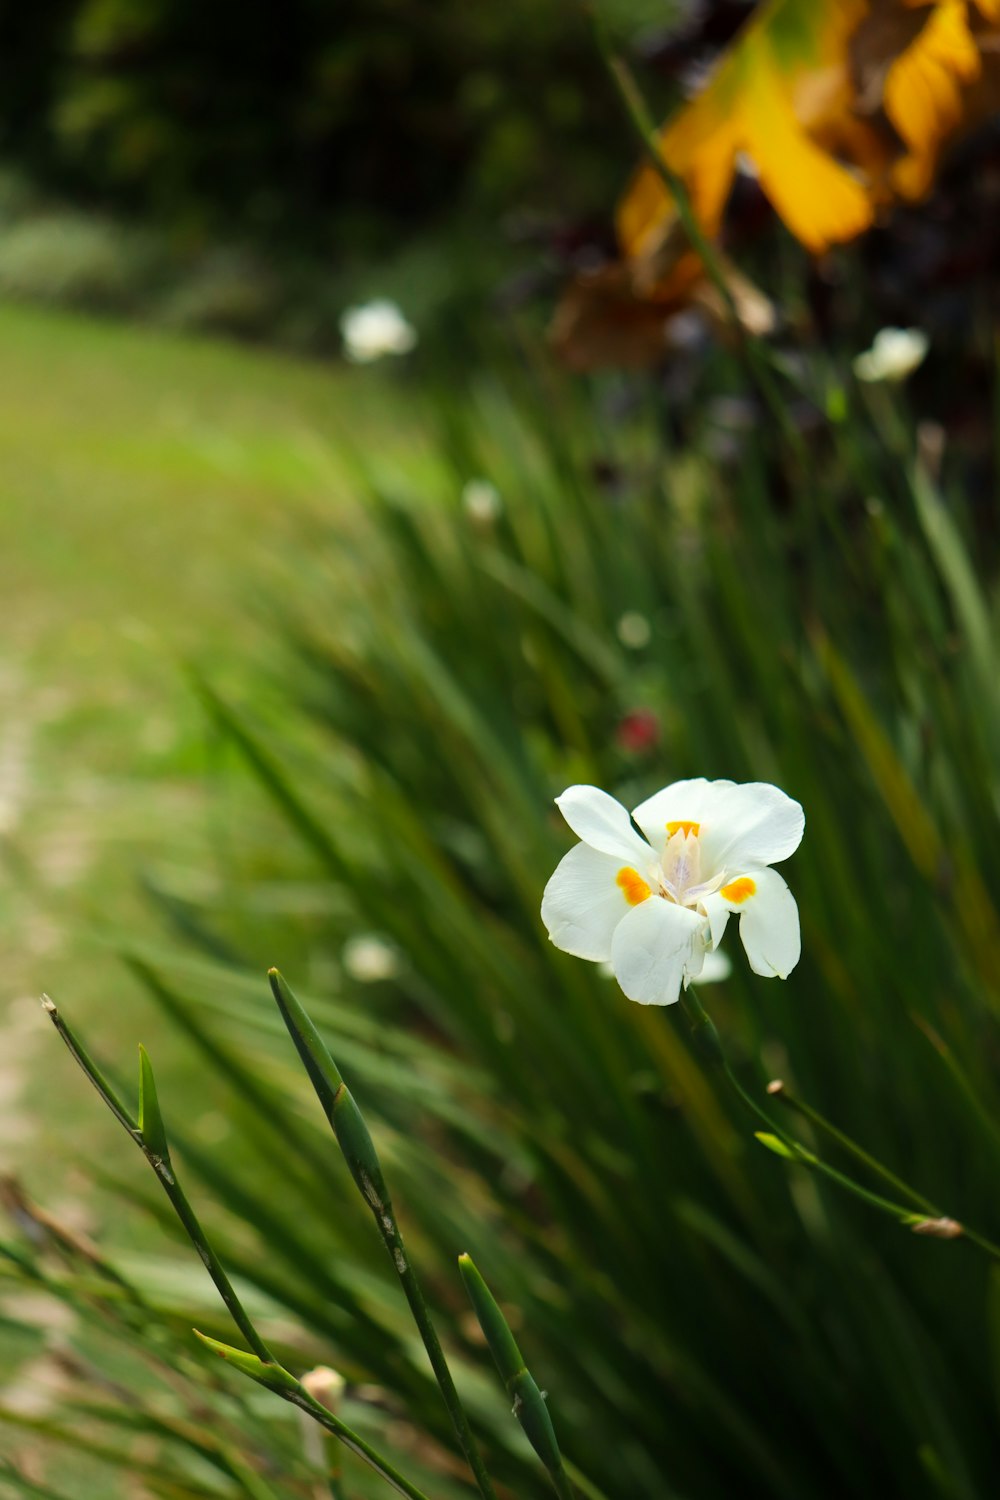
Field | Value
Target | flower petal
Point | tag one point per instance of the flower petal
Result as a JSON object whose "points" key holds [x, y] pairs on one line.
{"points": [[717, 910], [604, 824], [681, 802], [752, 823], [651, 948], [584, 902], [769, 921]]}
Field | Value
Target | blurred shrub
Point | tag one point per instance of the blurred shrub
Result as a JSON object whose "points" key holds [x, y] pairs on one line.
{"points": [[76, 260], [224, 292]]}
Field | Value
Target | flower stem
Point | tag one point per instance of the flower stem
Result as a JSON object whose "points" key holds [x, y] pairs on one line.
{"points": [[808, 1159], [149, 1135], [359, 1152], [924, 1204], [705, 1032], [853, 1149]]}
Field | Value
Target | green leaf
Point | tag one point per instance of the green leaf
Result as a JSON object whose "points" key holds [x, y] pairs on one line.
{"points": [[529, 1403], [154, 1136], [354, 1139], [323, 1071], [779, 1147], [271, 1375], [496, 1330]]}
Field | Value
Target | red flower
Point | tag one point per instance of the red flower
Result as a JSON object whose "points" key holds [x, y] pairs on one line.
{"points": [[638, 731]]}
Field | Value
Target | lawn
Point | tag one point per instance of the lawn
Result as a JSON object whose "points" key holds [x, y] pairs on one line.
{"points": [[148, 483]]}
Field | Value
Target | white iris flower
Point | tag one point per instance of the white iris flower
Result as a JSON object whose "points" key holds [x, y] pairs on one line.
{"points": [[894, 354], [375, 329], [655, 906]]}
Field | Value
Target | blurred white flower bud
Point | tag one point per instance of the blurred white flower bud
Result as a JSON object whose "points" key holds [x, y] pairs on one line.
{"points": [[894, 354], [368, 958], [481, 501], [375, 329]]}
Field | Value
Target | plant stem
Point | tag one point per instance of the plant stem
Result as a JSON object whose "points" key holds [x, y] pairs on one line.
{"points": [[924, 1204], [897, 1210], [561, 1484], [847, 1144], [703, 1027], [355, 1442], [149, 1136], [393, 1241], [355, 1142]]}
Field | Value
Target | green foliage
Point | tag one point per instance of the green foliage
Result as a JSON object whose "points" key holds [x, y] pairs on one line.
{"points": [[712, 1318]]}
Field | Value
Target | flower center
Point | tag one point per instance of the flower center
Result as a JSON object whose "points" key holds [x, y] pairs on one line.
{"points": [[681, 862], [678, 875]]}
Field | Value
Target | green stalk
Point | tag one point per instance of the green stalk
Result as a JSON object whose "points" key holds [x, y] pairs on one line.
{"points": [[801, 1154], [150, 1136], [276, 1379], [359, 1152], [529, 1404], [703, 1028], [814, 1117], [928, 1209]]}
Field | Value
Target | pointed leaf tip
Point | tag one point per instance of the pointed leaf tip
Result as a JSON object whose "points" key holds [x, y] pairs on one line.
{"points": [[774, 1143], [274, 1376], [502, 1344], [323, 1071], [151, 1127]]}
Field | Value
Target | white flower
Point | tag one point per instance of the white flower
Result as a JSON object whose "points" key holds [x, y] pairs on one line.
{"points": [[481, 501], [368, 958], [656, 906], [325, 1386], [894, 354], [376, 329], [717, 966], [633, 630]]}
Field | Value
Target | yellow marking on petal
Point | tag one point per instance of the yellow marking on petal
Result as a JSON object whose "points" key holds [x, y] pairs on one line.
{"points": [[632, 885], [739, 890], [682, 826]]}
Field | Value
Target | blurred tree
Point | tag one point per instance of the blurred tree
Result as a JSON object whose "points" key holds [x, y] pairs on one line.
{"points": [[313, 124]]}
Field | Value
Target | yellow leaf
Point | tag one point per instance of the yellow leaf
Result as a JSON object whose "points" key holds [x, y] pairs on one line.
{"points": [[819, 200], [777, 85], [923, 92], [799, 93]]}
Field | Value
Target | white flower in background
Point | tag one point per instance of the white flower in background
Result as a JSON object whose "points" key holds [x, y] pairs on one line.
{"points": [[481, 501], [376, 329], [656, 907], [369, 958], [325, 1386], [894, 354], [633, 630], [717, 966]]}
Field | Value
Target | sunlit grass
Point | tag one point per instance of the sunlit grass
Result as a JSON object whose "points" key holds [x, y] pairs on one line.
{"points": [[148, 482]]}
